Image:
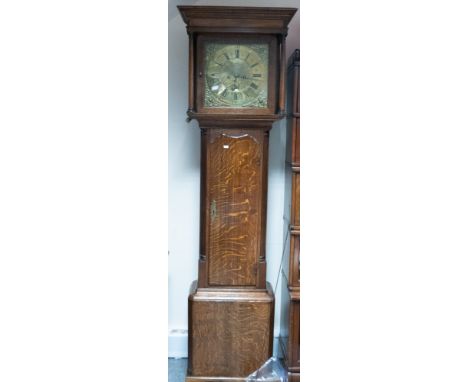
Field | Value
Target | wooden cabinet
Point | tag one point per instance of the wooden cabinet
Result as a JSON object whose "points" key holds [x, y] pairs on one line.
{"points": [[290, 315]]}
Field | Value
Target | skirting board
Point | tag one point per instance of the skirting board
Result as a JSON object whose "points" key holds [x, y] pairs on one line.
{"points": [[178, 344]]}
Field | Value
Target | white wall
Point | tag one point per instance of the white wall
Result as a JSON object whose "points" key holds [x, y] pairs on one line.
{"points": [[184, 178]]}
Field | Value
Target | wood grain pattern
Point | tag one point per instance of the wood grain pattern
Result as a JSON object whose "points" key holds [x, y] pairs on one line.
{"points": [[230, 331], [296, 149], [294, 377], [234, 199], [290, 312], [294, 260], [294, 335], [295, 202], [235, 19]]}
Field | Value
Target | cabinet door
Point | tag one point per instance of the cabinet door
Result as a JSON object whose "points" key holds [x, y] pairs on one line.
{"points": [[234, 200]]}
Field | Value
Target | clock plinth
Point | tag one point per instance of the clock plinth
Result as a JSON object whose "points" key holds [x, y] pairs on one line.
{"points": [[236, 85], [231, 331]]}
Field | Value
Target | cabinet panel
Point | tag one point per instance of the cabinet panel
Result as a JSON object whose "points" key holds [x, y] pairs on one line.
{"points": [[295, 202], [294, 260], [294, 335], [234, 178], [296, 141], [229, 337]]}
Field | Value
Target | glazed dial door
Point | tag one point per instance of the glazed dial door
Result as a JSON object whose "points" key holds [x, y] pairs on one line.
{"points": [[236, 75], [234, 202]]}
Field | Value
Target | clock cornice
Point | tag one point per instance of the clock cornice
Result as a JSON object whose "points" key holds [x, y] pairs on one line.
{"points": [[230, 19]]}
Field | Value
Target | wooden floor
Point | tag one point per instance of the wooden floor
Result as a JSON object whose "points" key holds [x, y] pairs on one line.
{"points": [[177, 369]]}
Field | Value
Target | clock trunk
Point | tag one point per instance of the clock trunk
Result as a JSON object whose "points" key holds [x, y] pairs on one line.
{"points": [[234, 185]]}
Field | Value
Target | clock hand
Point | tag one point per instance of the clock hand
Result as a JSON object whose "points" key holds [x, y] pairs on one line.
{"points": [[250, 78], [221, 89], [236, 85]]}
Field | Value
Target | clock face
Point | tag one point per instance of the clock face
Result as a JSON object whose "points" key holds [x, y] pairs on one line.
{"points": [[236, 75]]}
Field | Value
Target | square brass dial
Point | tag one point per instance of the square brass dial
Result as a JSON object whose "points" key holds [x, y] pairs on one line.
{"points": [[236, 75]]}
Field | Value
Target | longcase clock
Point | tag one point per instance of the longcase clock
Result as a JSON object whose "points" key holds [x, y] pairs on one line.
{"points": [[236, 91]]}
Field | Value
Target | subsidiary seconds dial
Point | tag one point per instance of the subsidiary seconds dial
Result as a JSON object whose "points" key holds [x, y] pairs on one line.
{"points": [[236, 75]]}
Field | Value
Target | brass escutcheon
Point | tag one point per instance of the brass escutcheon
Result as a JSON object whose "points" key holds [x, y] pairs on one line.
{"points": [[213, 210]]}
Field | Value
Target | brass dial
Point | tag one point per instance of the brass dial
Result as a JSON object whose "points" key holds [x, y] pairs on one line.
{"points": [[236, 75]]}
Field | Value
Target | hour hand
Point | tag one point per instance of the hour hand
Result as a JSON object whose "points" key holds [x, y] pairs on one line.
{"points": [[221, 89], [251, 78]]}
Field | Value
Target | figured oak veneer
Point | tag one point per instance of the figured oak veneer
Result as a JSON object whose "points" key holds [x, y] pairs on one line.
{"points": [[234, 189], [229, 331], [234, 162]]}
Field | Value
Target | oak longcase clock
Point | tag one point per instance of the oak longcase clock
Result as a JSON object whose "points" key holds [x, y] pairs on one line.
{"points": [[236, 91]]}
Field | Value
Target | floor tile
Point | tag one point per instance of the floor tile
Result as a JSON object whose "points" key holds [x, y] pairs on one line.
{"points": [[177, 369]]}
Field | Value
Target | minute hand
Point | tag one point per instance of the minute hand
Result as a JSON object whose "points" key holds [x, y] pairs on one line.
{"points": [[250, 78]]}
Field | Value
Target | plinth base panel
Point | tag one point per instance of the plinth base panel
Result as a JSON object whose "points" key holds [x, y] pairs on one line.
{"points": [[230, 333]]}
